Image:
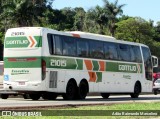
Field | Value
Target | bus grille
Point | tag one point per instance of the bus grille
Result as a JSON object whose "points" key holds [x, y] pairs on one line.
{"points": [[53, 79]]}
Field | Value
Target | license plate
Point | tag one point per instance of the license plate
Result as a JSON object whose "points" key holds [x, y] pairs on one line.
{"points": [[21, 83]]}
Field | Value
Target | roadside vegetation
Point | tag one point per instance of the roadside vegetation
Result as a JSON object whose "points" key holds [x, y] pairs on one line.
{"points": [[102, 111]]}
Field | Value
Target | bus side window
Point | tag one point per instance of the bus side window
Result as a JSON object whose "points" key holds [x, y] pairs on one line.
{"points": [[137, 51], [96, 49], [69, 46], [50, 43], [82, 48], [124, 52], [133, 54], [110, 50], [58, 45]]}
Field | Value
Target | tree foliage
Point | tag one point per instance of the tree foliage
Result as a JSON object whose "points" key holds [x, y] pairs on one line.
{"points": [[108, 20]]}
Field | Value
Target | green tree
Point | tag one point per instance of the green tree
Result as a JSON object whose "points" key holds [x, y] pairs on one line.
{"points": [[100, 18], [112, 11], [22, 12], [134, 29], [69, 18], [79, 19]]}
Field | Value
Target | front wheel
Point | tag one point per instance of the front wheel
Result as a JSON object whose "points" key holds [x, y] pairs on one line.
{"points": [[137, 91], [155, 92], [105, 95]]}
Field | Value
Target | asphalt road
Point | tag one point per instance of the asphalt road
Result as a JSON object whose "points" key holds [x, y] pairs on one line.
{"points": [[20, 103]]}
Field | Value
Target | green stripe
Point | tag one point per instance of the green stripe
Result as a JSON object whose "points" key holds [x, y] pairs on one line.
{"points": [[80, 64], [95, 65], [39, 41], [99, 76], [111, 66], [71, 63]]}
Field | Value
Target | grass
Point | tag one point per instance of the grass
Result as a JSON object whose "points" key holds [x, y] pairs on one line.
{"points": [[103, 110]]}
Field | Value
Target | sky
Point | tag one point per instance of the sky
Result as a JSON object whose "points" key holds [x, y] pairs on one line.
{"points": [[146, 9]]}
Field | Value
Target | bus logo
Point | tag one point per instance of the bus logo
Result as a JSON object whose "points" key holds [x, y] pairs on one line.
{"points": [[20, 42]]}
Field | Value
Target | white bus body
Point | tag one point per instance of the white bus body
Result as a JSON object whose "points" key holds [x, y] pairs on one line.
{"points": [[45, 62]]}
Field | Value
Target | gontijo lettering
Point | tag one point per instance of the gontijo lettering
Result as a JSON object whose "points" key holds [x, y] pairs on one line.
{"points": [[17, 42], [127, 68]]}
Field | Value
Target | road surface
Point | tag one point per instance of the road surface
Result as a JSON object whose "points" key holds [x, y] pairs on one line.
{"points": [[21, 103]]}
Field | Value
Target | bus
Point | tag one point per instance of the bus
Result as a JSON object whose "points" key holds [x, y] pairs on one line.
{"points": [[42, 62]]}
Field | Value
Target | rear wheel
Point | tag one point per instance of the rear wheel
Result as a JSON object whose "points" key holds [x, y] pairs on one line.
{"points": [[4, 96], [105, 95], [137, 91], [82, 90], [34, 96], [49, 96], [71, 90]]}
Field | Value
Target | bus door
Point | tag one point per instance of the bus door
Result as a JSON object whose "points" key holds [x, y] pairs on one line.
{"points": [[147, 60]]}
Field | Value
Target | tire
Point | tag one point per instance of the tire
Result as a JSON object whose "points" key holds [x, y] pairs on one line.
{"points": [[4, 96], [34, 96], [82, 90], [71, 91], [26, 96], [105, 95], [155, 92], [49, 96], [137, 91]]}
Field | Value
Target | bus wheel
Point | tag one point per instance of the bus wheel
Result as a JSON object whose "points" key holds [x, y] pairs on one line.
{"points": [[105, 95], [26, 96], [137, 90], [155, 92], [4, 96], [34, 96], [82, 90], [71, 90], [49, 96]]}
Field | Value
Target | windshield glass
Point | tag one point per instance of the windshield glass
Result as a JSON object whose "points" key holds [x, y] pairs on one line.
{"points": [[156, 69]]}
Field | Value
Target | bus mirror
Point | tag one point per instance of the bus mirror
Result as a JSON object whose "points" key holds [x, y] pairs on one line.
{"points": [[154, 61]]}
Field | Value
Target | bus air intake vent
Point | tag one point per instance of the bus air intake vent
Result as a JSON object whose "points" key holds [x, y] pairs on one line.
{"points": [[53, 79]]}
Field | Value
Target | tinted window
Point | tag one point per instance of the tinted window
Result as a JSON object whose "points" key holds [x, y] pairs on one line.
{"points": [[58, 45], [137, 53], [147, 63], [96, 49], [69, 46], [50, 43], [110, 50], [124, 52], [82, 48], [133, 54]]}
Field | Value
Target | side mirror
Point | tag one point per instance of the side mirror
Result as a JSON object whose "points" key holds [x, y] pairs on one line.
{"points": [[154, 61]]}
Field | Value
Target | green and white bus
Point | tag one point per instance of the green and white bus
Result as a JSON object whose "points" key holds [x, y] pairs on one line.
{"points": [[42, 62]]}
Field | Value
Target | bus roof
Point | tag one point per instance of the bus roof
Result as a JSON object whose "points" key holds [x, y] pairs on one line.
{"points": [[81, 35]]}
